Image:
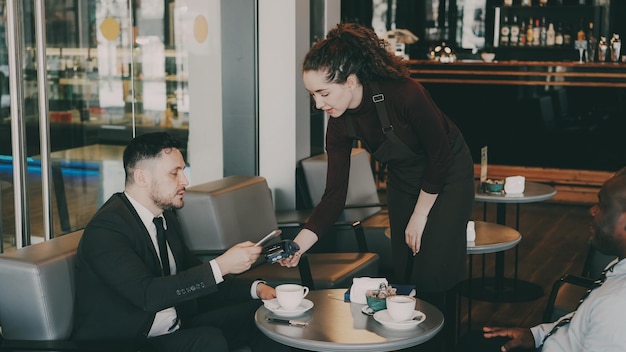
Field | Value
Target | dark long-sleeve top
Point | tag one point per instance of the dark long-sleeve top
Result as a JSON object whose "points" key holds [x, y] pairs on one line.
{"points": [[119, 286], [416, 120]]}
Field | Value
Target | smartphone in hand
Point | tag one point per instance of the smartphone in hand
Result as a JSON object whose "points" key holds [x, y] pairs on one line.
{"points": [[270, 236]]}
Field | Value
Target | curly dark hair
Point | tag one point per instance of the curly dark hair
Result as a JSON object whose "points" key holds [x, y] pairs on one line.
{"points": [[351, 48]]}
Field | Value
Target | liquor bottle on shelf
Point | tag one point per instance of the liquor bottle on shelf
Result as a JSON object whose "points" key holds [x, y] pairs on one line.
{"points": [[526, 2], [522, 34], [529, 33], [580, 35], [508, 3], [592, 44], [543, 2], [536, 32], [171, 112], [514, 39], [558, 37], [550, 35], [69, 67], [543, 34], [92, 65], [505, 32], [567, 35], [78, 67], [53, 68], [616, 47], [62, 63], [30, 70], [603, 48]]}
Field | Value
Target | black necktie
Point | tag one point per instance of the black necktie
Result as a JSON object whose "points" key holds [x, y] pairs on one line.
{"points": [[165, 263], [595, 285]]}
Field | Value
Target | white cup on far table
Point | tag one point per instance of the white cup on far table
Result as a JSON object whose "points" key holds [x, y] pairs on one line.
{"points": [[290, 296], [400, 307]]}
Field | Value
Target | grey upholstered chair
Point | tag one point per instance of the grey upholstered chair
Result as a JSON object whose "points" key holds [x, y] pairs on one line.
{"points": [[221, 213], [363, 204], [37, 291], [37, 298]]}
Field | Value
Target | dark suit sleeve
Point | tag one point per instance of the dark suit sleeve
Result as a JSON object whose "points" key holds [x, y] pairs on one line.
{"points": [[232, 288]]}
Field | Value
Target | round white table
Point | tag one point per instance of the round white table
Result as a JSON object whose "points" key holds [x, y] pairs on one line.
{"points": [[500, 289], [336, 325], [533, 192], [490, 238]]}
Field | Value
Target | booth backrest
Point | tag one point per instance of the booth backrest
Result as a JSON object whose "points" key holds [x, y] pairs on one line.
{"points": [[37, 290], [222, 213]]}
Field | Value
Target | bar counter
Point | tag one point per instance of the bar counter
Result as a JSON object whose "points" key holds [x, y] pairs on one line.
{"points": [[512, 107], [526, 73]]}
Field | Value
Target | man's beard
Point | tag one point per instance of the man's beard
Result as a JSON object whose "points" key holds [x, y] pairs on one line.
{"points": [[165, 204], [168, 205]]}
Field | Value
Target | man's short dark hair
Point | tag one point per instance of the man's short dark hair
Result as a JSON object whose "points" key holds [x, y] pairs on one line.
{"points": [[146, 146], [614, 191]]}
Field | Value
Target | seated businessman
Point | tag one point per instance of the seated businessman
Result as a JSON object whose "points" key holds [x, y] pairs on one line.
{"points": [[597, 323], [138, 282]]}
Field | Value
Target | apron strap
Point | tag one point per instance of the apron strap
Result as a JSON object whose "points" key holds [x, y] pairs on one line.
{"points": [[401, 148], [379, 101], [378, 98]]}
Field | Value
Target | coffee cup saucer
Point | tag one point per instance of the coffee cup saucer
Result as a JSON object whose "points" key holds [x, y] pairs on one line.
{"points": [[367, 310], [273, 306], [383, 317]]}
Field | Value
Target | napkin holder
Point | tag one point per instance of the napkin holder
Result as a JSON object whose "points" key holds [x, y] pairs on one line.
{"points": [[471, 231], [401, 289], [361, 284]]}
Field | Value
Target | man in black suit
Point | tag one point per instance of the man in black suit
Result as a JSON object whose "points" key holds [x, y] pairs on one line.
{"points": [[123, 289]]}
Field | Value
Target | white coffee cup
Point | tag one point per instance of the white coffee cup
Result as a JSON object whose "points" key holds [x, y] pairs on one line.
{"points": [[514, 184], [400, 308], [290, 296]]}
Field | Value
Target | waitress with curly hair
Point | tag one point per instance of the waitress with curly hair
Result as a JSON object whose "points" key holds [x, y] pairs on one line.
{"points": [[369, 95]]}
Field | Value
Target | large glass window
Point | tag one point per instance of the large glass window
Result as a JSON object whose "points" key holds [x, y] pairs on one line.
{"points": [[114, 69]]}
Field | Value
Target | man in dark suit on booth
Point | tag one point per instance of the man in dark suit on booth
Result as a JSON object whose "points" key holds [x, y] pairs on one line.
{"points": [[138, 282]]}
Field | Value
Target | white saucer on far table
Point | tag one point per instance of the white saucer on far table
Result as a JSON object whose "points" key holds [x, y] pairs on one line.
{"points": [[382, 316], [273, 306]]}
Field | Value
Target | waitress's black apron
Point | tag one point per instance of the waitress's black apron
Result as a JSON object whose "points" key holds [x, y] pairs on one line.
{"points": [[440, 263]]}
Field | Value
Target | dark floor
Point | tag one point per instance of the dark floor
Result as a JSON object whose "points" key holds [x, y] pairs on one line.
{"points": [[554, 242]]}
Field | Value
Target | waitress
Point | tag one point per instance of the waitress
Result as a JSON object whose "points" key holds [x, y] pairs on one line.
{"points": [[369, 95]]}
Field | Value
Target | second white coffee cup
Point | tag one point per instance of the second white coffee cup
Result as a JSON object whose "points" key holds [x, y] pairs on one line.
{"points": [[290, 296], [400, 308]]}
